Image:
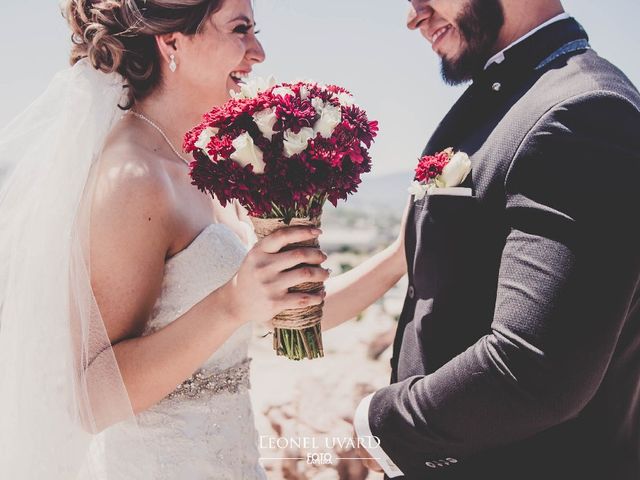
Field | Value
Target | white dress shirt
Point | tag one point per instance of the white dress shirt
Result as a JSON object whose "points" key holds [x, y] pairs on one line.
{"points": [[499, 57], [363, 431], [361, 418]]}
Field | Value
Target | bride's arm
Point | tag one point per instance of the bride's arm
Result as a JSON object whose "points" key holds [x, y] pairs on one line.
{"points": [[352, 292], [131, 234]]}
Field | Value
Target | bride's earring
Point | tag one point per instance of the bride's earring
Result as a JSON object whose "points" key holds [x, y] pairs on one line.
{"points": [[172, 63]]}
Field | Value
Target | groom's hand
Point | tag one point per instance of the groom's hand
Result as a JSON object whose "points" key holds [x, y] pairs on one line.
{"points": [[367, 461]]}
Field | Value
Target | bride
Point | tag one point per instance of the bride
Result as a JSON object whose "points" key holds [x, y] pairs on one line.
{"points": [[126, 294]]}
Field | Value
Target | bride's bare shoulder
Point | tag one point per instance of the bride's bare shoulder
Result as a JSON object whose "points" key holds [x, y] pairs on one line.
{"points": [[130, 171], [132, 190]]}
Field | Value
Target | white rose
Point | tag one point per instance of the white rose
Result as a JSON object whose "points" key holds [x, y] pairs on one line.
{"points": [[456, 171], [345, 99], [418, 190], [265, 120], [330, 118], [247, 153], [295, 143], [205, 138], [251, 88], [282, 91], [318, 104]]}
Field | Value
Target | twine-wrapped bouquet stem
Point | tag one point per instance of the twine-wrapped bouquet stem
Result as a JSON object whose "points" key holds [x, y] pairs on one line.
{"points": [[297, 332]]}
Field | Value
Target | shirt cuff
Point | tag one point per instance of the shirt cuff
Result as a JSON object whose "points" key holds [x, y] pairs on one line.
{"points": [[372, 444]]}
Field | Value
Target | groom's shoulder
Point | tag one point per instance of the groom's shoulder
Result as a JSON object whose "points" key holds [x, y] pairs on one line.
{"points": [[588, 75], [580, 96], [582, 90]]}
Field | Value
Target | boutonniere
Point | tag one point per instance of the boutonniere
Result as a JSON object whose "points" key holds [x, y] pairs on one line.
{"points": [[442, 170]]}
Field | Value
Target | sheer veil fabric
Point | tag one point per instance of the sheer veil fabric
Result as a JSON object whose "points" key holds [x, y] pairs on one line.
{"points": [[60, 386]]}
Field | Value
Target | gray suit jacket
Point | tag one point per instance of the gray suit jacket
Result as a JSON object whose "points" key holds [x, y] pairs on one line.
{"points": [[518, 349]]}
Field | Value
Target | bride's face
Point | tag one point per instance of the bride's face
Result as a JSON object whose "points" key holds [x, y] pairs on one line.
{"points": [[212, 62]]}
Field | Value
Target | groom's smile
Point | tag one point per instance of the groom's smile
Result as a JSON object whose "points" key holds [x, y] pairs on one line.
{"points": [[463, 33], [437, 37]]}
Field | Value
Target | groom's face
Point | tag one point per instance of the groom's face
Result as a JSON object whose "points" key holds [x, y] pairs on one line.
{"points": [[462, 32]]}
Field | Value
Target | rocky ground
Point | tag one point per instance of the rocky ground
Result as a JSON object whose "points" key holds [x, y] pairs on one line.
{"points": [[307, 407]]}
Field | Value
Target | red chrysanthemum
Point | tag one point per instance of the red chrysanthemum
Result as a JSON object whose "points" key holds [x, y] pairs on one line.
{"points": [[294, 113], [431, 166], [328, 168]]}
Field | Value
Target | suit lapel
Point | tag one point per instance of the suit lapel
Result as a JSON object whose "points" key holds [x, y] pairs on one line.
{"points": [[448, 129]]}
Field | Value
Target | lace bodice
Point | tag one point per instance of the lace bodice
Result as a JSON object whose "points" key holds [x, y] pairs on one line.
{"points": [[205, 428], [211, 259]]}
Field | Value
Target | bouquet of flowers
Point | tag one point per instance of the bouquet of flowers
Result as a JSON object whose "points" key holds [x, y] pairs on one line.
{"points": [[282, 151]]}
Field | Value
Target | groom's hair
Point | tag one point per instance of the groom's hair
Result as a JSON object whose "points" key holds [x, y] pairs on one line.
{"points": [[118, 35], [479, 24]]}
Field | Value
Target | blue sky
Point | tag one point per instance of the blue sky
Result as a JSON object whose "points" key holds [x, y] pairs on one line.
{"points": [[360, 44]]}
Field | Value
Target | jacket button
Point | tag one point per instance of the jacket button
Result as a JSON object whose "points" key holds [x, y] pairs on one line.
{"points": [[431, 465], [496, 87], [411, 292], [452, 460]]}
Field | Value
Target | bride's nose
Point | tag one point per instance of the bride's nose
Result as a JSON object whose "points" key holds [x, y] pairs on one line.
{"points": [[256, 53]]}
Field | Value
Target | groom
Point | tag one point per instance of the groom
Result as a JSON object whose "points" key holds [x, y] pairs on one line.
{"points": [[517, 354]]}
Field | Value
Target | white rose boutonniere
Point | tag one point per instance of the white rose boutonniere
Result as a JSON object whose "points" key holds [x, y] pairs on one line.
{"points": [[445, 169], [455, 172]]}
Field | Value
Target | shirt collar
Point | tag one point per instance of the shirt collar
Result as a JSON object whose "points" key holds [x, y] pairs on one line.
{"points": [[499, 57]]}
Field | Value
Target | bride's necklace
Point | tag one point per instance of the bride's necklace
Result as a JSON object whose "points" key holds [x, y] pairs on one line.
{"points": [[164, 135]]}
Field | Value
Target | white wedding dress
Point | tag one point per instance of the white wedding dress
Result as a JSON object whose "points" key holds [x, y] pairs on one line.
{"points": [[59, 378], [205, 428]]}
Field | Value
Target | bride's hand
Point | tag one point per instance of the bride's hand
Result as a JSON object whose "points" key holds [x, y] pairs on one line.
{"points": [[260, 289]]}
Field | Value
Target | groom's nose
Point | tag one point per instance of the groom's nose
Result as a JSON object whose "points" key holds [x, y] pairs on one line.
{"points": [[419, 12]]}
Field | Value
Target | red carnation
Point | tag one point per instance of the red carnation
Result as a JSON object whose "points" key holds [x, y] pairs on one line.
{"points": [[431, 166]]}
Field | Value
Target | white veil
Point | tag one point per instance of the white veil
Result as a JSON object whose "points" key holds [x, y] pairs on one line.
{"points": [[59, 381]]}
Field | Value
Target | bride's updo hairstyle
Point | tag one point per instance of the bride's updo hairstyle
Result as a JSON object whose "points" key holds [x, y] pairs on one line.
{"points": [[118, 35]]}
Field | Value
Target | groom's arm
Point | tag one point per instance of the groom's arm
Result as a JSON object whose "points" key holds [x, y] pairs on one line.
{"points": [[568, 272], [352, 292]]}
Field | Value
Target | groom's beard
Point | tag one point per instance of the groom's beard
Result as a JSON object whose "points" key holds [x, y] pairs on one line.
{"points": [[479, 26]]}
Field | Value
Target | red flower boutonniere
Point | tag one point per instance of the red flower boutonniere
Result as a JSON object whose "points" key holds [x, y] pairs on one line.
{"points": [[445, 169]]}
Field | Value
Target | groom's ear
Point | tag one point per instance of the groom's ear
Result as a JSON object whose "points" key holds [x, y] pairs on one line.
{"points": [[167, 45]]}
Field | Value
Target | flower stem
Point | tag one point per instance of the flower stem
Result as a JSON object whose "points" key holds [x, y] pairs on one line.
{"points": [[299, 344]]}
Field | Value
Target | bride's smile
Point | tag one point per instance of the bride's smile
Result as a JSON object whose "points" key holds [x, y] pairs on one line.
{"points": [[220, 57]]}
